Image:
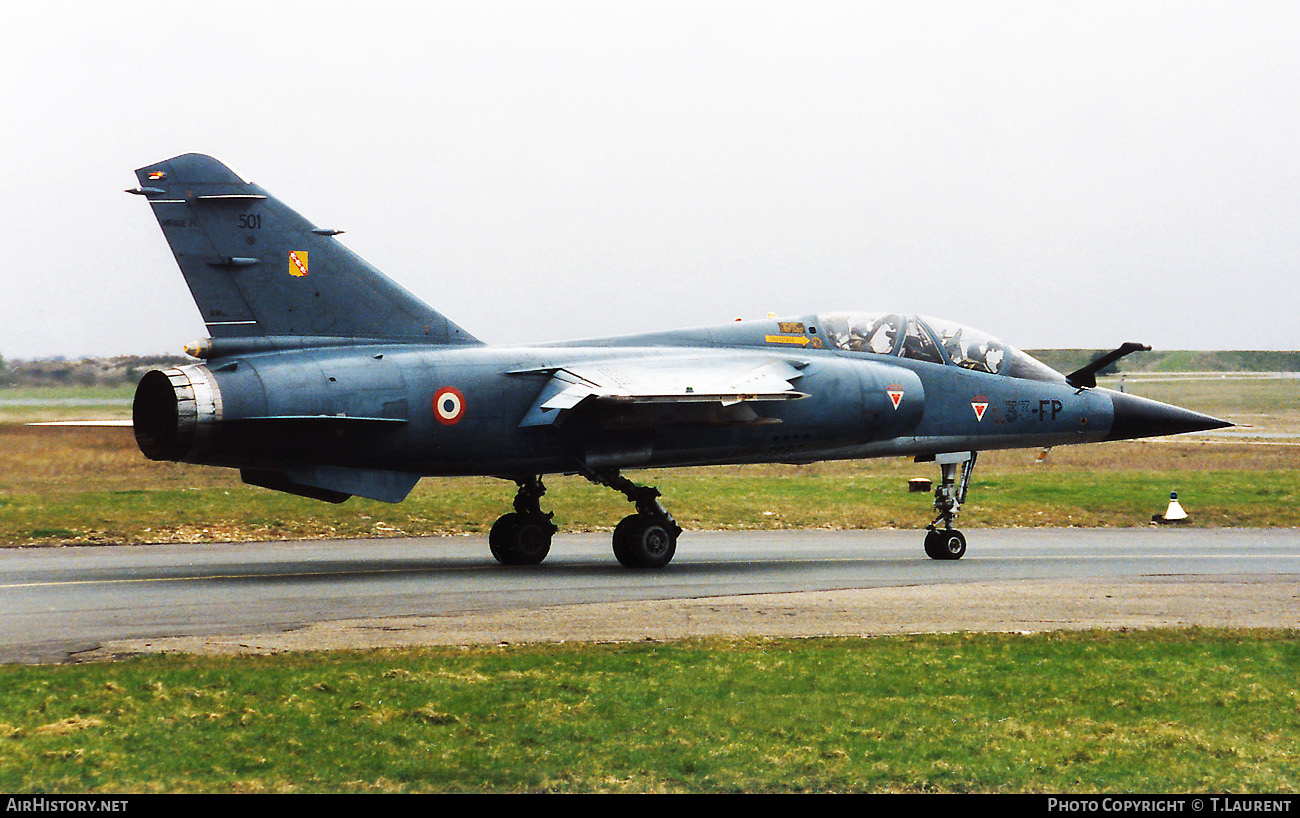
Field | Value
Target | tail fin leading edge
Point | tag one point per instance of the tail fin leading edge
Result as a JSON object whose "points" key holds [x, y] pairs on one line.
{"points": [[257, 268]]}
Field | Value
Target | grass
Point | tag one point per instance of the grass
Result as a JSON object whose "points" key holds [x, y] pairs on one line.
{"points": [[30, 404], [1159, 711], [88, 395], [95, 487], [1160, 360], [1271, 405]]}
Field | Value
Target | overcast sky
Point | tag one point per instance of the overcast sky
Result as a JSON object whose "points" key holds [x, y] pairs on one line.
{"points": [[1059, 174]]}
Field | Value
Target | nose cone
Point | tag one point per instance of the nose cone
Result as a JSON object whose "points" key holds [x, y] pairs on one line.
{"points": [[1141, 417]]}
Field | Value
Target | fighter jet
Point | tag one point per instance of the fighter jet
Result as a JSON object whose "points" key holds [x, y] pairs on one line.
{"points": [[324, 378]]}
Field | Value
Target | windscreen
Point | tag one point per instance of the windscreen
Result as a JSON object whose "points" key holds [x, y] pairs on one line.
{"points": [[921, 338]]}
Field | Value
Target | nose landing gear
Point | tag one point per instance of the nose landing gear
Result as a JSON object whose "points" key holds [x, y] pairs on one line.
{"points": [[946, 542]]}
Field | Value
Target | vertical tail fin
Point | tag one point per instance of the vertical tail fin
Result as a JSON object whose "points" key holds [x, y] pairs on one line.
{"points": [[256, 268]]}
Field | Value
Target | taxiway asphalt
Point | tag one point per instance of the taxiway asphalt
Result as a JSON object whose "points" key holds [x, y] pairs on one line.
{"points": [[79, 603]]}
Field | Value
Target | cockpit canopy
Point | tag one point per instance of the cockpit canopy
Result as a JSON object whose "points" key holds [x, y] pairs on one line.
{"points": [[934, 340]]}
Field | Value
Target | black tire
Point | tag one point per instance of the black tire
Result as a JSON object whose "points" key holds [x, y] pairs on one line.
{"points": [[645, 541], [500, 535], [946, 544], [521, 539], [532, 540], [932, 545], [622, 536]]}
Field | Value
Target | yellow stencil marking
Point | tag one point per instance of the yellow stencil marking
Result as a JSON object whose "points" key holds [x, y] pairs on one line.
{"points": [[786, 339], [298, 263]]}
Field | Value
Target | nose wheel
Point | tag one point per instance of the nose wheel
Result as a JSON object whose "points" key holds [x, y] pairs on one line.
{"points": [[942, 541], [945, 544]]}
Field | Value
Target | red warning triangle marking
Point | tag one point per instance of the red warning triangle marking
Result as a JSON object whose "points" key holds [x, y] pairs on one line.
{"points": [[895, 393], [979, 404]]}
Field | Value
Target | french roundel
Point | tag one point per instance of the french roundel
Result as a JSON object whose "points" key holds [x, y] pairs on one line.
{"points": [[448, 405]]}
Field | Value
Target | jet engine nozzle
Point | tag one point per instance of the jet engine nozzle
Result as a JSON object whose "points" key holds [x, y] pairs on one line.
{"points": [[175, 413]]}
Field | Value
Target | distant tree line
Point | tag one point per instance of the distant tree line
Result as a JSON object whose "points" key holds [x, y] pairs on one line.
{"points": [[118, 371]]}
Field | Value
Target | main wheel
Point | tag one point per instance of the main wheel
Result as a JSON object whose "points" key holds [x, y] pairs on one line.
{"points": [[645, 541], [945, 544], [521, 539]]}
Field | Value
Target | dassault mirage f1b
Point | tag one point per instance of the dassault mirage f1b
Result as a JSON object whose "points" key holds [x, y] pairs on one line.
{"points": [[324, 378]]}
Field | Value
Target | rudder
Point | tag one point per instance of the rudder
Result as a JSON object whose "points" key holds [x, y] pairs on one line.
{"points": [[257, 268]]}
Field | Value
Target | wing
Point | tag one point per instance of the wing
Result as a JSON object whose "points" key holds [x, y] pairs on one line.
{"points": [[654, 391]]}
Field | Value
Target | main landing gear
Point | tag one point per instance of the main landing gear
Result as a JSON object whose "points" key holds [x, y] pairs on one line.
{"points": [[646, 539], [947, 543], [523, 537]]}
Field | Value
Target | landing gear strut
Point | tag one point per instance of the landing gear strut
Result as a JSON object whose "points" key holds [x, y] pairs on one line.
{"points": [[647, 539], [523, 537], [947, 543]]}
